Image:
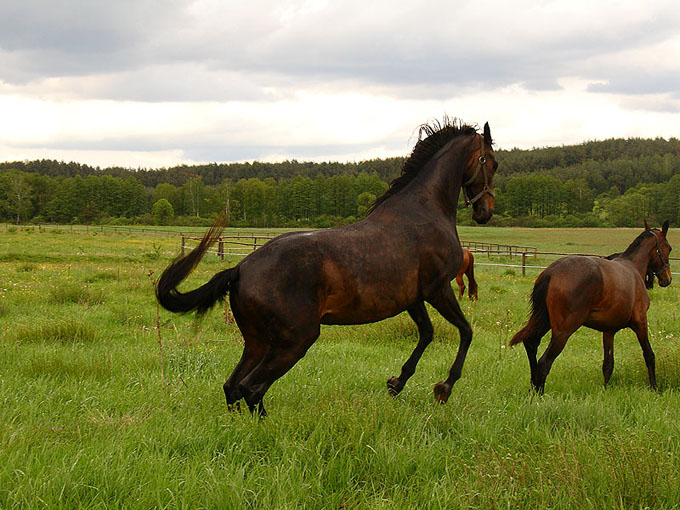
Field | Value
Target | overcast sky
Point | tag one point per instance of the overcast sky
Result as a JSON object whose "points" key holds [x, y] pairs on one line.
{"points": [[150, 83]]}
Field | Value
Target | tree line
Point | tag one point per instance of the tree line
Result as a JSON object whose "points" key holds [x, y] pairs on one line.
{"points": [[608, 183]]}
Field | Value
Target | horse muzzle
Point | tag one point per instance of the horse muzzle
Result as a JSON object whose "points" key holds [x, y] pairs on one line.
{"points": [[665, 279], [482, 210]]}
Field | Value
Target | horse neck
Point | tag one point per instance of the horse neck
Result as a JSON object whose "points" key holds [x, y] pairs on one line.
{"points": [[441, 179], [641, 257]]}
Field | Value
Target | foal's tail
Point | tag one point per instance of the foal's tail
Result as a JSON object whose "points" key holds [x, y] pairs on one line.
{"points": [[539, 322], [205, 296]]}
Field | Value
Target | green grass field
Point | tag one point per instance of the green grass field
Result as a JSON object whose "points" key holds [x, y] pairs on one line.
{"points": [[101, 408]]}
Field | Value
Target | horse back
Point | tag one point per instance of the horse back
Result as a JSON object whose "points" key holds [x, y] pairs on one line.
{"points": [[347, 275], [603, 294]]}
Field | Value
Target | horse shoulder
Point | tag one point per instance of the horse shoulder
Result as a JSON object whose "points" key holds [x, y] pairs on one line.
{"points": [[622, 276]]}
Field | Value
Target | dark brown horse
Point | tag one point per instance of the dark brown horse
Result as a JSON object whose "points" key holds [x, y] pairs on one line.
{"points": [[403, 254], [467, 268], [605, 294]]}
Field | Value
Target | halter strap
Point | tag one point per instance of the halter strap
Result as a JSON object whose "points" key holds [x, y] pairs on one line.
{"points": [[664, 265], [482, 168]]}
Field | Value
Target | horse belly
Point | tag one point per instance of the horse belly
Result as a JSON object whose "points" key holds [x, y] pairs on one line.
{"points": [[612, 314], [359, 297]]}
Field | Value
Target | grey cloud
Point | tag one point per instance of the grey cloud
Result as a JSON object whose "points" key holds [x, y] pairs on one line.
{"points": [[217, 148], [152, 50], [81, 37]]}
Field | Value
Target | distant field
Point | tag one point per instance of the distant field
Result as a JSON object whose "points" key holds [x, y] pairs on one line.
{"points": [[96, 414]]}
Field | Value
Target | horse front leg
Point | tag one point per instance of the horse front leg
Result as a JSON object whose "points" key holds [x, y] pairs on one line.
{"points": [[461, 286], [608, 361], [445, 303], [640, 329], [419, 315]]}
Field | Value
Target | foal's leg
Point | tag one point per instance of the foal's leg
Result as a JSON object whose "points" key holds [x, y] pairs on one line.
{"points": [[608, 361], [446, 304], [418, 313], [640, 329]]}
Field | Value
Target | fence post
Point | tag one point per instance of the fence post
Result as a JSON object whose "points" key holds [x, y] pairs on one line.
{"points": [[220, 248], [182, 246], [524, 262]]}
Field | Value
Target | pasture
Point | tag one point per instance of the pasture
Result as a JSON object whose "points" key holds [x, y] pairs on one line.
{"points": [[107, 402]]}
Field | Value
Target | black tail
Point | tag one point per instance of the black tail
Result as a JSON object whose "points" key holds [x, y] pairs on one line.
{"points": [[540, 317], [204, 297]]}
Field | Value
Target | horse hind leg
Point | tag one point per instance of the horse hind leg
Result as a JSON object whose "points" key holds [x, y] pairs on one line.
{"points": [[530, 336], [472, 290], [557, 342], [253, 352], [425, 331], [470, 273], [279, 359]]}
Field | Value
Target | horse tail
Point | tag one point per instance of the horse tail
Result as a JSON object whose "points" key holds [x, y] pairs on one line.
{"points": [[205, 296], [540, 317]]}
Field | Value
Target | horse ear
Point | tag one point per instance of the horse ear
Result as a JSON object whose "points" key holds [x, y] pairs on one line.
{"points": [[487, 134], [664, 228], [646, 226]]}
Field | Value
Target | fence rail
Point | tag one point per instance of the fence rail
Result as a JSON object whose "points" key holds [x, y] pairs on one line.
{"points": [[235, 244], [243, 244], [500, 249]]}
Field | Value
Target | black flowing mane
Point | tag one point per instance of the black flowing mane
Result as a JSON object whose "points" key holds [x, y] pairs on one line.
{"points": [[431, 138]]}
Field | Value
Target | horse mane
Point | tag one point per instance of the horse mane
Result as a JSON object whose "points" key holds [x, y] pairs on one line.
{"points": [[635, 245], [432, 137], [649, 277]]}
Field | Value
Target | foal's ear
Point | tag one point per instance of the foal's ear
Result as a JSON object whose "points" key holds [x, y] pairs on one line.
{"points": [[664, 228], [487, 134], [646, 226]]}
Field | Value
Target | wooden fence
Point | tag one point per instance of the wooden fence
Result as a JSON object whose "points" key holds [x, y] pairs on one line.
{"points": [[243, 244], [236, 244]]}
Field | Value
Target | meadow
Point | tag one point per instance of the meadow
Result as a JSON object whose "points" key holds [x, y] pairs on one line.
{"points": [[108, 402]]}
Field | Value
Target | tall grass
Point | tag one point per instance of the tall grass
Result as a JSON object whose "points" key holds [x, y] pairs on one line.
{"points": [[92, 416]]}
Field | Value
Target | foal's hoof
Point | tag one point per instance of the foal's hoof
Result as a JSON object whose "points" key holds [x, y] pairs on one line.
{"points": [[441, 392], [394, 386]]}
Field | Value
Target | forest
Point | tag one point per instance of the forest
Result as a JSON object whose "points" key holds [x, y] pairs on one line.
{"points": [[615, 182]]}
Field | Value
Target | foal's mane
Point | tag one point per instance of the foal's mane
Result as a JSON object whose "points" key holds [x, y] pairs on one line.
{"points": [[432, 137]]}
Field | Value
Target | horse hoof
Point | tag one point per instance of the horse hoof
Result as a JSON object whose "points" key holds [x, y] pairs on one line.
{"points": [[441, 392], [394, 386], [235, 407]]}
